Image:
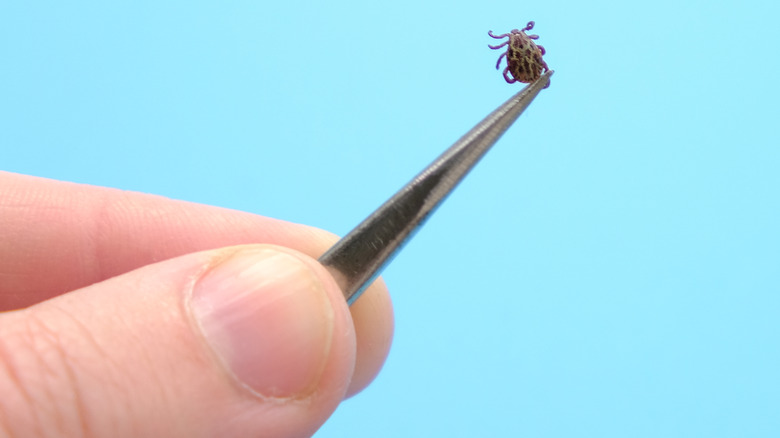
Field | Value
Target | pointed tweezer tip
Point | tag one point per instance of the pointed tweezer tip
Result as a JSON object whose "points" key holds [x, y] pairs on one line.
{"points": [[529, 93], [546, 77]]}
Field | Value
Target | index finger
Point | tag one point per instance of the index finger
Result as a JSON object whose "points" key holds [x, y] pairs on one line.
{"points": [[59, 236]]}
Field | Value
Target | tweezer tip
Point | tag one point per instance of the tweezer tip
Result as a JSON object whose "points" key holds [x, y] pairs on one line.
{"points": [[547, 75]]}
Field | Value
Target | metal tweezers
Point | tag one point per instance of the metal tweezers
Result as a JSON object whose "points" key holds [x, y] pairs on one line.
{"points": [[358, 258]]}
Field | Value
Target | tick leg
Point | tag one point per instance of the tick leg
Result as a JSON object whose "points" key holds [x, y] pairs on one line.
{"points": [[545, 68], [533, 37], [499, 60], [529, 26], [542, 49], [507, 78], [499, 46], [498, 37]]}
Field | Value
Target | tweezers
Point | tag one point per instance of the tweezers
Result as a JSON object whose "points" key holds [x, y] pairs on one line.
{"points": [[358, 258]]}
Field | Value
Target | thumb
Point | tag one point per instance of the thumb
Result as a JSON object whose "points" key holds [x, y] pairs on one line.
{"points": [[253, 340]]}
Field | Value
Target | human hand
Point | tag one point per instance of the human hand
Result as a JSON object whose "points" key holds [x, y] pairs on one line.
{"points": [[145, 321]]}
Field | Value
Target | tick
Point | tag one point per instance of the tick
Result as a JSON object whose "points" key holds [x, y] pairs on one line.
{"points": [[523, 56]]}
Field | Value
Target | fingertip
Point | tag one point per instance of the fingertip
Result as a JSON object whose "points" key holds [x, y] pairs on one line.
{"points": [[267, 317], [372, 316], [298, 372]]}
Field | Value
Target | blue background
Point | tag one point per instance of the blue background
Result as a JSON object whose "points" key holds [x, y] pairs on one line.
{"points": [[610, 269]]}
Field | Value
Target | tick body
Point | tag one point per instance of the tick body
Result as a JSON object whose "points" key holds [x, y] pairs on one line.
{"points": [[523, 56]]}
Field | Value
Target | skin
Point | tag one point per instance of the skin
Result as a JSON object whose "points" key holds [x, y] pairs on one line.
{"points": [[84, 263]]}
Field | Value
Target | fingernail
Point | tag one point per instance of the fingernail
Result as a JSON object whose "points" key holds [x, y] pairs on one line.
{"points": [[267, 317]]}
